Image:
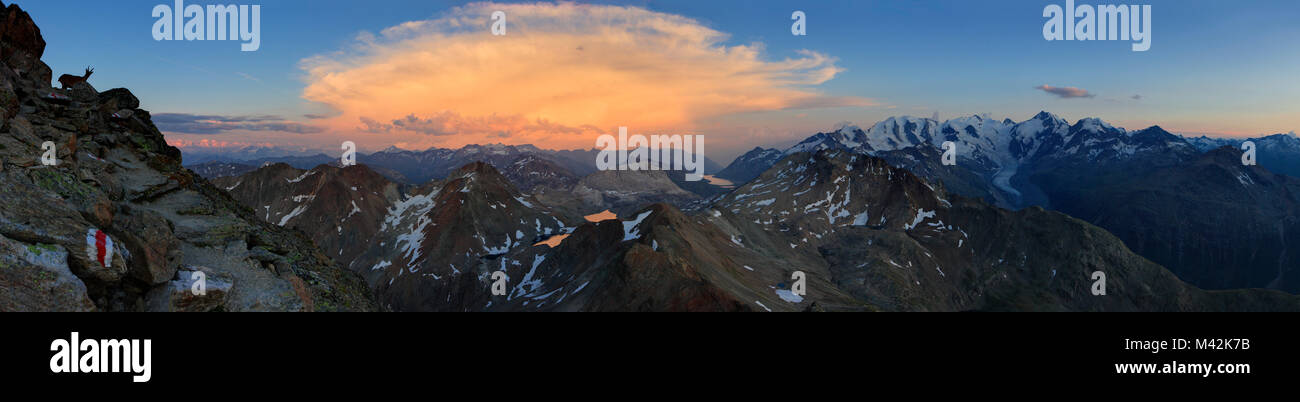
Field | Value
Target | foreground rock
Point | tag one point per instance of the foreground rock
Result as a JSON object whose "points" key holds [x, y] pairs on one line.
{"points": [[109, 225], [194, 289]]}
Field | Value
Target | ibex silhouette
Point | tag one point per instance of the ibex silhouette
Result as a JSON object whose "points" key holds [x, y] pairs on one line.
{"points": [[68, 80]]}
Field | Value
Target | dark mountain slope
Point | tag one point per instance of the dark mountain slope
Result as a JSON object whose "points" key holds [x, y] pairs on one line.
{"points": [[1217, 223], [339, 207], [893, 241], [748, 166]]}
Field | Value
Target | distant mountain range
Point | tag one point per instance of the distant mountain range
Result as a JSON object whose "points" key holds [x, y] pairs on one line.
{"points": [[867, 235], [1279, 153], [195, 155], [415, 167], [1236, 230], [1223, 226]]}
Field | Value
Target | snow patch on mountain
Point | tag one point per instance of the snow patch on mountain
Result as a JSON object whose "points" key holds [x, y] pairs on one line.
{"points": [[630, 231]]}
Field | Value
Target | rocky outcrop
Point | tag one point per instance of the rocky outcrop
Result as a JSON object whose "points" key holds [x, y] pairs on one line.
{"points": [[112, 221], [194, 289], [748, 166], [340, 208], [35, 277], [532, 173], [621, 191]]}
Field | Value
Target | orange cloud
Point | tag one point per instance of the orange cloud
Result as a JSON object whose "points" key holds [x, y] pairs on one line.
{"points": [[563, 74]]}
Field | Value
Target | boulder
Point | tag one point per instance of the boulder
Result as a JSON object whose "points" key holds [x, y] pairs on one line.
{"points": [[35, 277], [33, 211], [119, 98], [19, 33], [181, 294], [155, 253], [83, 92]]}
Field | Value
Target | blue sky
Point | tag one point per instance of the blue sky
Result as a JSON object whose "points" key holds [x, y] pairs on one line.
{"points": [[1213, 67]]}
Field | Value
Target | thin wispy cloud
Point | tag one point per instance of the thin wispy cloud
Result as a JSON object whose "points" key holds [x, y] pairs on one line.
{"points": [[214, 124], [1065, 92], [319, 116], [452, 123]]}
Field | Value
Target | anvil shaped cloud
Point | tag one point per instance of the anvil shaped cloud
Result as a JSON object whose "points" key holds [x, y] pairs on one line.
{"points": [[563, 74]]}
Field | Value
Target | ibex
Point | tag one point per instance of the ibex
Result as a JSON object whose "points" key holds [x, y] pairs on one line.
{"points": [[68, 80]]}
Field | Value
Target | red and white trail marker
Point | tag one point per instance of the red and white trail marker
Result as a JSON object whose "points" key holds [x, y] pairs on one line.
{"points": [[99, 247]]}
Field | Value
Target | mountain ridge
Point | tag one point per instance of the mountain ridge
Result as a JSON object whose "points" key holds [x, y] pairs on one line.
{"points": [[1074, 168]]}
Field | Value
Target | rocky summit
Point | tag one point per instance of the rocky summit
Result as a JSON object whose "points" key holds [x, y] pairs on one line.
{"points": [[96, 212]]}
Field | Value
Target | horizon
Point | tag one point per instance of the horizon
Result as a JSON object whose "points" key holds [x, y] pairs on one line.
{"points": [[303, 151], [399, 74]]}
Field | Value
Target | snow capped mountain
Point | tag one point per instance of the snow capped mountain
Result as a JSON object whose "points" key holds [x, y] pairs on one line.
{"points": [[391, 150], [1042, 132], [899, 132], [1003, 152], [1276, 142], [984, 140]]}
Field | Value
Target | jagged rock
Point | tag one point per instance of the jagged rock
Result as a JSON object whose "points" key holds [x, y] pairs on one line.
{"points": [[33, 211], [265, 256], [154, 249], [119, 99], [35, 277], [181, 294], [623, 191], [157, 190], [21, 44], [19, 33], [8, 100], [83, 92]]}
